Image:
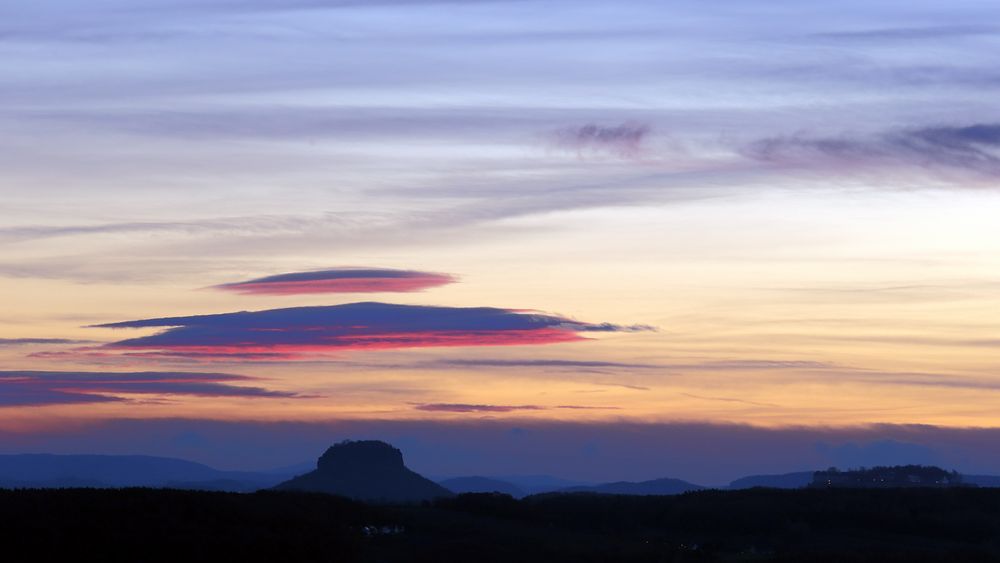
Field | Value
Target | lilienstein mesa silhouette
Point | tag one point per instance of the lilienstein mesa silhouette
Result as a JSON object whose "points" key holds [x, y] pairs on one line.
{"points": [[368, 470]]}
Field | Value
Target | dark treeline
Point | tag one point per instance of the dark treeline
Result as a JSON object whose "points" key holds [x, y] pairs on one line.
{"points": [[160, 525], [843, 525]]}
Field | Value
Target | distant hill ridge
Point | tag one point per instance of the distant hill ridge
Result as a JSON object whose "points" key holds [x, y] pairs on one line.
{"points": [[368, 470], [795, 480], [664, 486], [50, 470], [478, 484], [97, 471]]}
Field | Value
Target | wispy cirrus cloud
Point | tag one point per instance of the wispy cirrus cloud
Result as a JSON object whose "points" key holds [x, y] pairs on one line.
{"points": [[37, 388], [973, 148], [729, 400], [341, 280], [915, 379], [726, 365], [302, 331]]}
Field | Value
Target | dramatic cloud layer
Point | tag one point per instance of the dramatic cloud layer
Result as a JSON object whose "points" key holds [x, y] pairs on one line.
{"points": [[341, 280], [295, 332], [36, 388]]}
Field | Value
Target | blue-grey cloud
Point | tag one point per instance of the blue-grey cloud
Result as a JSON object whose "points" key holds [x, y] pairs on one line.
{"points": [[910, 33], [37, 388], [624, 140], [215, 227], [971, 148], [611, 327], [341, 280], [25, 396]]}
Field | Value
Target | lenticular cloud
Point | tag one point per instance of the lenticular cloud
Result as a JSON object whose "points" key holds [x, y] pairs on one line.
{"points": [[341, 280], [305, 331]]}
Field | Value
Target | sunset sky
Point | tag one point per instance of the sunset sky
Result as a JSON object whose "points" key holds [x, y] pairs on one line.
{"points": [[600, 240]]}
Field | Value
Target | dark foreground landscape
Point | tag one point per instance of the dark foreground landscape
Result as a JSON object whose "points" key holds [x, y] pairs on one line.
{"points": [[952, 524]]}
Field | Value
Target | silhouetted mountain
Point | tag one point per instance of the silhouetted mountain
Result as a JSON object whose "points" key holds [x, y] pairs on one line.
{"points": [[795, 480], [481, 485], [654, 487], [366, 470], [49, 471]]}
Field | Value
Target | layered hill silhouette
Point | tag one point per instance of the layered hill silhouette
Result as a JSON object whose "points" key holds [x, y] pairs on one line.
{"points": [[366, 470], [482, 485], [654, 487], [538, 484], [96, 471], [795, 480], [361, 470]]}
